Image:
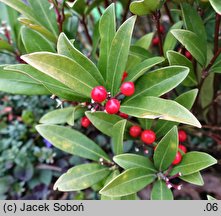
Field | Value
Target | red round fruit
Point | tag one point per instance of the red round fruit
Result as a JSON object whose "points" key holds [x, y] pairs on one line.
{"points": [[112, 106], [148, 136], [125, 74], [135, 131], [85, 122], [127, 88], [156, 41], [188, 55], [177, 159], [162, 29], [123, 115], [182, 148], [182, 135], [99, 94]]}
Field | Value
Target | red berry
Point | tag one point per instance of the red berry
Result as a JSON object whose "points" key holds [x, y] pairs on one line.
{"points": [[148, 136], [188, 55], [85, 122], [123, 115], [162, 29], [112, 106], [177, 159], [135, 131], [182, 136], [125, 74], [156, 41], [99, 94], [127, 88], [183, 148]]}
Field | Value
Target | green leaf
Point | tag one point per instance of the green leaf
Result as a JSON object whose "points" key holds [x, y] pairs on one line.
{"points": [[194, 178], [216, 5], [62, 116], [37, 42], [81, 177], [160, 191], [63, 69], [128, 161], [193, 162], [193, 21], [158, 82], [4, 45], [105, 122], [210, 197], [144, 7], [107, 29], [216, 68], [55, 87], [153, 107], [166, 150], [176, 58], [44, 15], [118, 136], [145, 41], [170, 41], [138, 70], [22, 84], [71, 141], [66, 48], [79, 6], [129, 182], [113, 175], [118, 55], [187, 100], [192, 43]]}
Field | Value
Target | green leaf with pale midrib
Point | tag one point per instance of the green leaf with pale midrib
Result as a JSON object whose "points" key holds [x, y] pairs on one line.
{"points": [[128, 161], [81, 177], [72, 141], [160, 191], [194, 178], [63, 69], [153, 107], [166, 150], [158, 82], [128, 182], [118, 55], [193, 162]]}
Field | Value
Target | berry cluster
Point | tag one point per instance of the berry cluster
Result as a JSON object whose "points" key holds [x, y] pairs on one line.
{"points": [[147, 136]]}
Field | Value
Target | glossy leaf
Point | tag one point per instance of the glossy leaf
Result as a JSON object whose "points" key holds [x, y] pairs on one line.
{"points": [[166, 150], [62, 116], [193, 162], [105, 122], [22, 84], [138, 70], [107, 29], [71, 141], [193, 21], [158, 82], [118, 55], [160, 191], [81, 177], [153, 107], [128, 161], [54, 86], [176, 58], [113, 175], [4, 45], [216, 5], [118, 136], [64, 70], [37, 42], [187, 100], [144, 7], [192, 43], [194, 178], [66, 48], [145, 41], [170, 41], [128, 182]]}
